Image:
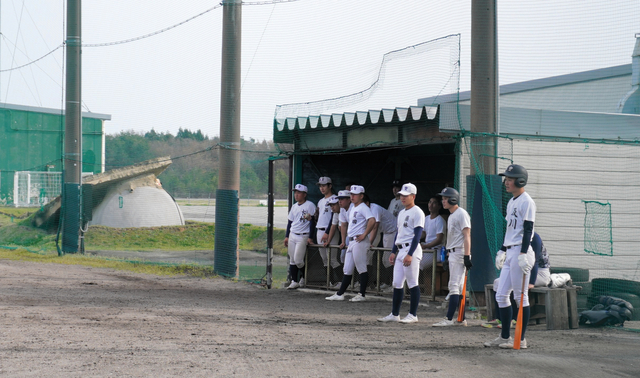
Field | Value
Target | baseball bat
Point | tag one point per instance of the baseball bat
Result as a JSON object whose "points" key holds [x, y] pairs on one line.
{"points": [[463, 298], [516, 340]]}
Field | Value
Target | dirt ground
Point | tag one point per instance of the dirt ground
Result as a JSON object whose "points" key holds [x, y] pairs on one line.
{"points": [[72, 321]]}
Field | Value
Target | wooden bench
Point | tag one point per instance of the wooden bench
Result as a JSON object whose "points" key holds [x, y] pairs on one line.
{"points": [[558, 308]]}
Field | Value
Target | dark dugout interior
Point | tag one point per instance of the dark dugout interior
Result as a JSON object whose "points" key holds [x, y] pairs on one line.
{"points": [[430, 167]]}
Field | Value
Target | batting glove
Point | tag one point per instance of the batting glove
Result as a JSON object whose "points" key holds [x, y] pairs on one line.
{"points": [[500, 257], [467, 261], [523, 262]]}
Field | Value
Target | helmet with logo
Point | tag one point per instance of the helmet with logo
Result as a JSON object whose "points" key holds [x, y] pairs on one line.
{"points": [[452, 195], [519, 173]]}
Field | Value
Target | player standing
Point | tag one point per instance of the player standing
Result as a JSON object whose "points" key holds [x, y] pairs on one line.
{"points": [[300, 227], [518, 254], [323, 221], [360, 224], [406, 255], [459, 250]]}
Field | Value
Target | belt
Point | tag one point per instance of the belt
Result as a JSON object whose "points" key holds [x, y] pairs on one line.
{"points": [[513, 246], [403, 245], [353, 238], [301, 234], [321, 229], [453, 249]]}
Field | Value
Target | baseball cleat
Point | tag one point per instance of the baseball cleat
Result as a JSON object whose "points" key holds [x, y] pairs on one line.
{"points": [[293, 285], [390, 318], [384, 286], [498, 340], [509, 344], [443, 323], [301, 284], [335, 297], [409, 319], [358, 298], [462, 323]]}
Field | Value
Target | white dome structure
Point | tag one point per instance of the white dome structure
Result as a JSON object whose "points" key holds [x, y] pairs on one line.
{"points": [[144, 206]]}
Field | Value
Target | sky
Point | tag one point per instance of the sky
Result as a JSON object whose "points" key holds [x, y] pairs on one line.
{"points": [[292, 52]]}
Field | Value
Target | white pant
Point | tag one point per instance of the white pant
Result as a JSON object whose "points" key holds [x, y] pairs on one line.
{"points": [[356, 256], [543, 278], [409, 273], [297, 249], [324, 251], [387, 242], [511, 278], [456, 271]]}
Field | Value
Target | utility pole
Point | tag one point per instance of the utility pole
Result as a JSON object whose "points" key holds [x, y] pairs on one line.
{"points": [[226, 256], [72, 177], [484, 82]]}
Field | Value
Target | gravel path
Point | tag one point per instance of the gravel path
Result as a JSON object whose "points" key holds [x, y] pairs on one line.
{"points": [[75, 321]]}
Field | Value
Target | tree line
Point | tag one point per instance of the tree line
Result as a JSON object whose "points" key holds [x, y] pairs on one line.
{"points": [[194, 171]]}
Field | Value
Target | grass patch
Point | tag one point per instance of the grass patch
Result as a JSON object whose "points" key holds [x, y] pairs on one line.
{"points": [[192, 236], [101, 262]]}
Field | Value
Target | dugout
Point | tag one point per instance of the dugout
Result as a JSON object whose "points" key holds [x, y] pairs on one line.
{"points": [[371, 149]]}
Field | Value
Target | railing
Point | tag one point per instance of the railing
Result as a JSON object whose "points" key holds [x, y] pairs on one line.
{"points": [[311, 266]]}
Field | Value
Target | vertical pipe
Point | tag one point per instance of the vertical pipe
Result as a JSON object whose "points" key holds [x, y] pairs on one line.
{"points": [[226, 256], [73, 130], [270, 209]]}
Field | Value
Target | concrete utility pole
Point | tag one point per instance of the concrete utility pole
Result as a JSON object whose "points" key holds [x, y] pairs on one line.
{"points": [[226, 239], [71, 205], [484, 81], [484, 119]]}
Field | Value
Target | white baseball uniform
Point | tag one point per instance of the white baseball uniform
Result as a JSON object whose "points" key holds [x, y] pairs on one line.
{"points": [[519, 210], [356, 255], [458, 221], [395, 207], [408, 220], [387, 229], [432, 228], [299, 232], [325, 217]]}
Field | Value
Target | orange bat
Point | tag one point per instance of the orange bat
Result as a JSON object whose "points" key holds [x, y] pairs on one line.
{"points": [[518, 336], [463, 299]]}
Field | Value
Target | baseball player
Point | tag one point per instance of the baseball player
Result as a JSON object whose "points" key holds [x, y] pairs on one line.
{"points": [[395, 206], [300, 229], [406, 255], [385, 227], [541, 271], [516, 253], [332, 236], [459, 251], [360, 224], [324, 217], [434, 229]]}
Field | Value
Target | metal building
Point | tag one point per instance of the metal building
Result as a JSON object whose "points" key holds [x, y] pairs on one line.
{"points": [[31, 149]]}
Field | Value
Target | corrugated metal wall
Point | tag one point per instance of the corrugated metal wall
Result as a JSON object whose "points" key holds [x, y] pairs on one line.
{"points": [[32, 141]]}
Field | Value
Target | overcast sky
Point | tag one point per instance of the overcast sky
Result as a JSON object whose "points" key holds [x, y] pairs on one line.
{"points": [[298, 51]]}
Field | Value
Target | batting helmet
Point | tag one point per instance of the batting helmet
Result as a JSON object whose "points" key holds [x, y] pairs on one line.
{"points": [[519, 173], [452, 195]]}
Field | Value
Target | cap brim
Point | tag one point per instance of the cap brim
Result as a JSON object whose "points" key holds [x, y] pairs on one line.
{"points": [[403, 193]]}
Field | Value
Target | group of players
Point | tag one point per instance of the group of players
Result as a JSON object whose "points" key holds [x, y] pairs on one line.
{"points": [[401, 227]]}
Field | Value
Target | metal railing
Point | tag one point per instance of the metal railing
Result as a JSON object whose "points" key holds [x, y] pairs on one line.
{"points": [[378, 251]]}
